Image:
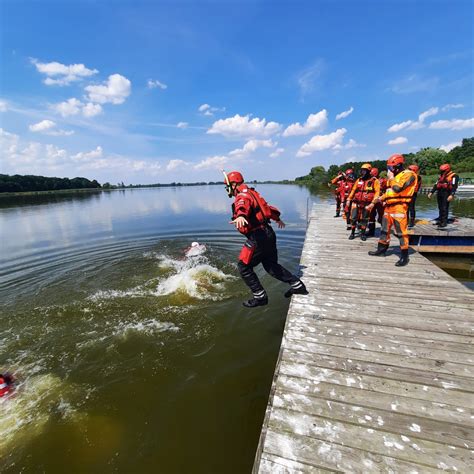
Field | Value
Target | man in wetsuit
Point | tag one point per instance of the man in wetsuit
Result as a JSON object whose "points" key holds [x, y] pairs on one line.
{"points": [[251, 216], [446, 187]]}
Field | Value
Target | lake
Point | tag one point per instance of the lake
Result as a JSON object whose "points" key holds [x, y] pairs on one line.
{"points": [[131, 357]]}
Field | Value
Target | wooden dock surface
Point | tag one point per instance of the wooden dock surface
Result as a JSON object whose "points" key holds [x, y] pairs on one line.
{"points": [[376, 366]]}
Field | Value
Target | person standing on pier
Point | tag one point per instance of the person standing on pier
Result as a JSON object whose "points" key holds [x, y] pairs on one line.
{"points": [[377, 212], [338, 181], [364, 191], [401, 186], [251, 215], [446, 187], [411, 206], [345, 190]]}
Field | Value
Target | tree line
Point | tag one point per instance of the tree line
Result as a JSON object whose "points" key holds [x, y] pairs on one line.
{"points": [[25, 183], [461, 158]]}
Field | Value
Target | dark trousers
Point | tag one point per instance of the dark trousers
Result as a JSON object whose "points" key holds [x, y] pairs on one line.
{"points": [[412, 210], [263, 244], [359, 215], [338, 203], [443, 206]]}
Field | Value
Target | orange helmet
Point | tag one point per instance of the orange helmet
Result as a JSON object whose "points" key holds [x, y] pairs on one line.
{"points": [[234, 177], [374, 172], [349, 171], [445, 168], [414, 168], [396, 160], [366, 166]]}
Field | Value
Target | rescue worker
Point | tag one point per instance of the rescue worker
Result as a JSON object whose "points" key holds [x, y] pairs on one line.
{"points": [[364, 191], [337, 182], [7, 384], [377, 212], [251, 215], [345, 190], [411, 206], [401, 186], [446, 187]]}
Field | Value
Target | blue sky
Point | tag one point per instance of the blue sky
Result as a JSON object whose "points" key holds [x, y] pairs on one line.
{"points": [[145, 92]]}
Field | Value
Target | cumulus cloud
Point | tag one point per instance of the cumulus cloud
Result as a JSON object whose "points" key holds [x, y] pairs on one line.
{"points": [[454, 124], [48, 127], [208, 110], [452, 106], [350, 144], [397, 141], [115, 90], [87, 156], [61, 74], [156, 84], [314, 122], [322, 142], [213, 162], [74, 106], [251, 146], [182, 125], [176, 164], [447, 148], [414, 125], [345, 114], [277, 152], [243, 126]]}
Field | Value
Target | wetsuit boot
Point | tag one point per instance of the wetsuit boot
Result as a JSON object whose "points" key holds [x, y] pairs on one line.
{"points": [[363, 235], [297, 288], [338, 213], [381, 249], [258, 300], [403, 258], [371, 229], [352, 236]]}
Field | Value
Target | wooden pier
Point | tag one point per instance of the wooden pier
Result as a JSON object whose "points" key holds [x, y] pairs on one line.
{"points": [[376, 366]]}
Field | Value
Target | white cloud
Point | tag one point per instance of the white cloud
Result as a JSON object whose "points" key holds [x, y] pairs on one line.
{"points": [[397, 141], [345, 114], [69, 107], [238, 126], [209, 111], [61, 74], [414, 125], [3, 106], [114, 91], [48, 127], [414, 83], [175, 164], [450, 146], [251, 146], [88, 156], [452, 106], [155, 83], [454, 124], [74, 106], [307, 78], [182, 125], [314, 122], [277, 152], [213, 162], [322, 142], [91, 110], [350, 144]]}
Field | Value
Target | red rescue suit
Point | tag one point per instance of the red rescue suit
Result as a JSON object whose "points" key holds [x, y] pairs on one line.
{"points": [[6, 385], [363, 193]]}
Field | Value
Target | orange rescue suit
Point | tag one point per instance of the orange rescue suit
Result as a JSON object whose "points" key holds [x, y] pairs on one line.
{"points": [[396, 207]]}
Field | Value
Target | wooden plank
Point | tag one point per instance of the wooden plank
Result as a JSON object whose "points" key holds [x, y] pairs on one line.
{"points": [[376, 366]]}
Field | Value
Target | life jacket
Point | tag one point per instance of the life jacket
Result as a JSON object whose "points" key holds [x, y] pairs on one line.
{"points": [[383, 185], [346, 186], [393, 198], [445, 181], [259, 213], [5, 387], [365, 191]]}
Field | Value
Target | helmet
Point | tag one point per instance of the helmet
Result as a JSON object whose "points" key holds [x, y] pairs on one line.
{"points": [[349, 171], [396, 160], [235, 177], [414, 168], [445, 168], [374, 172], [366, 166]]}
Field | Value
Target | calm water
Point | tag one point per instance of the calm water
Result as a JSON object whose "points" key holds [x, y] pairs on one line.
{"points": [[133, 359]]}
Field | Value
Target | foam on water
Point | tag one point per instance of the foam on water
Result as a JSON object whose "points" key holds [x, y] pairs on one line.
{"points": [[150, 327]]}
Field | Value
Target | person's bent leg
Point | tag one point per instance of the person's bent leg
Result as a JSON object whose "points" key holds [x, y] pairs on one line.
{"points": [[249, 257]]}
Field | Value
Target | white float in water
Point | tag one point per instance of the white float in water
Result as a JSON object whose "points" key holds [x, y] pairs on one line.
{"points": [[195, 250]]}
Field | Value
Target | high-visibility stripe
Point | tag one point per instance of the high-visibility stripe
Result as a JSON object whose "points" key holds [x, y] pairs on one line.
{"points": [[3, 385]]}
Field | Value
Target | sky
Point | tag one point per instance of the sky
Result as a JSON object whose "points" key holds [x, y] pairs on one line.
{"points": [[155, 91]]}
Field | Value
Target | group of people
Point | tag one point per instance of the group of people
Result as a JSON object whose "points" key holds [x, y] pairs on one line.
{"points": [[389, 199]]}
